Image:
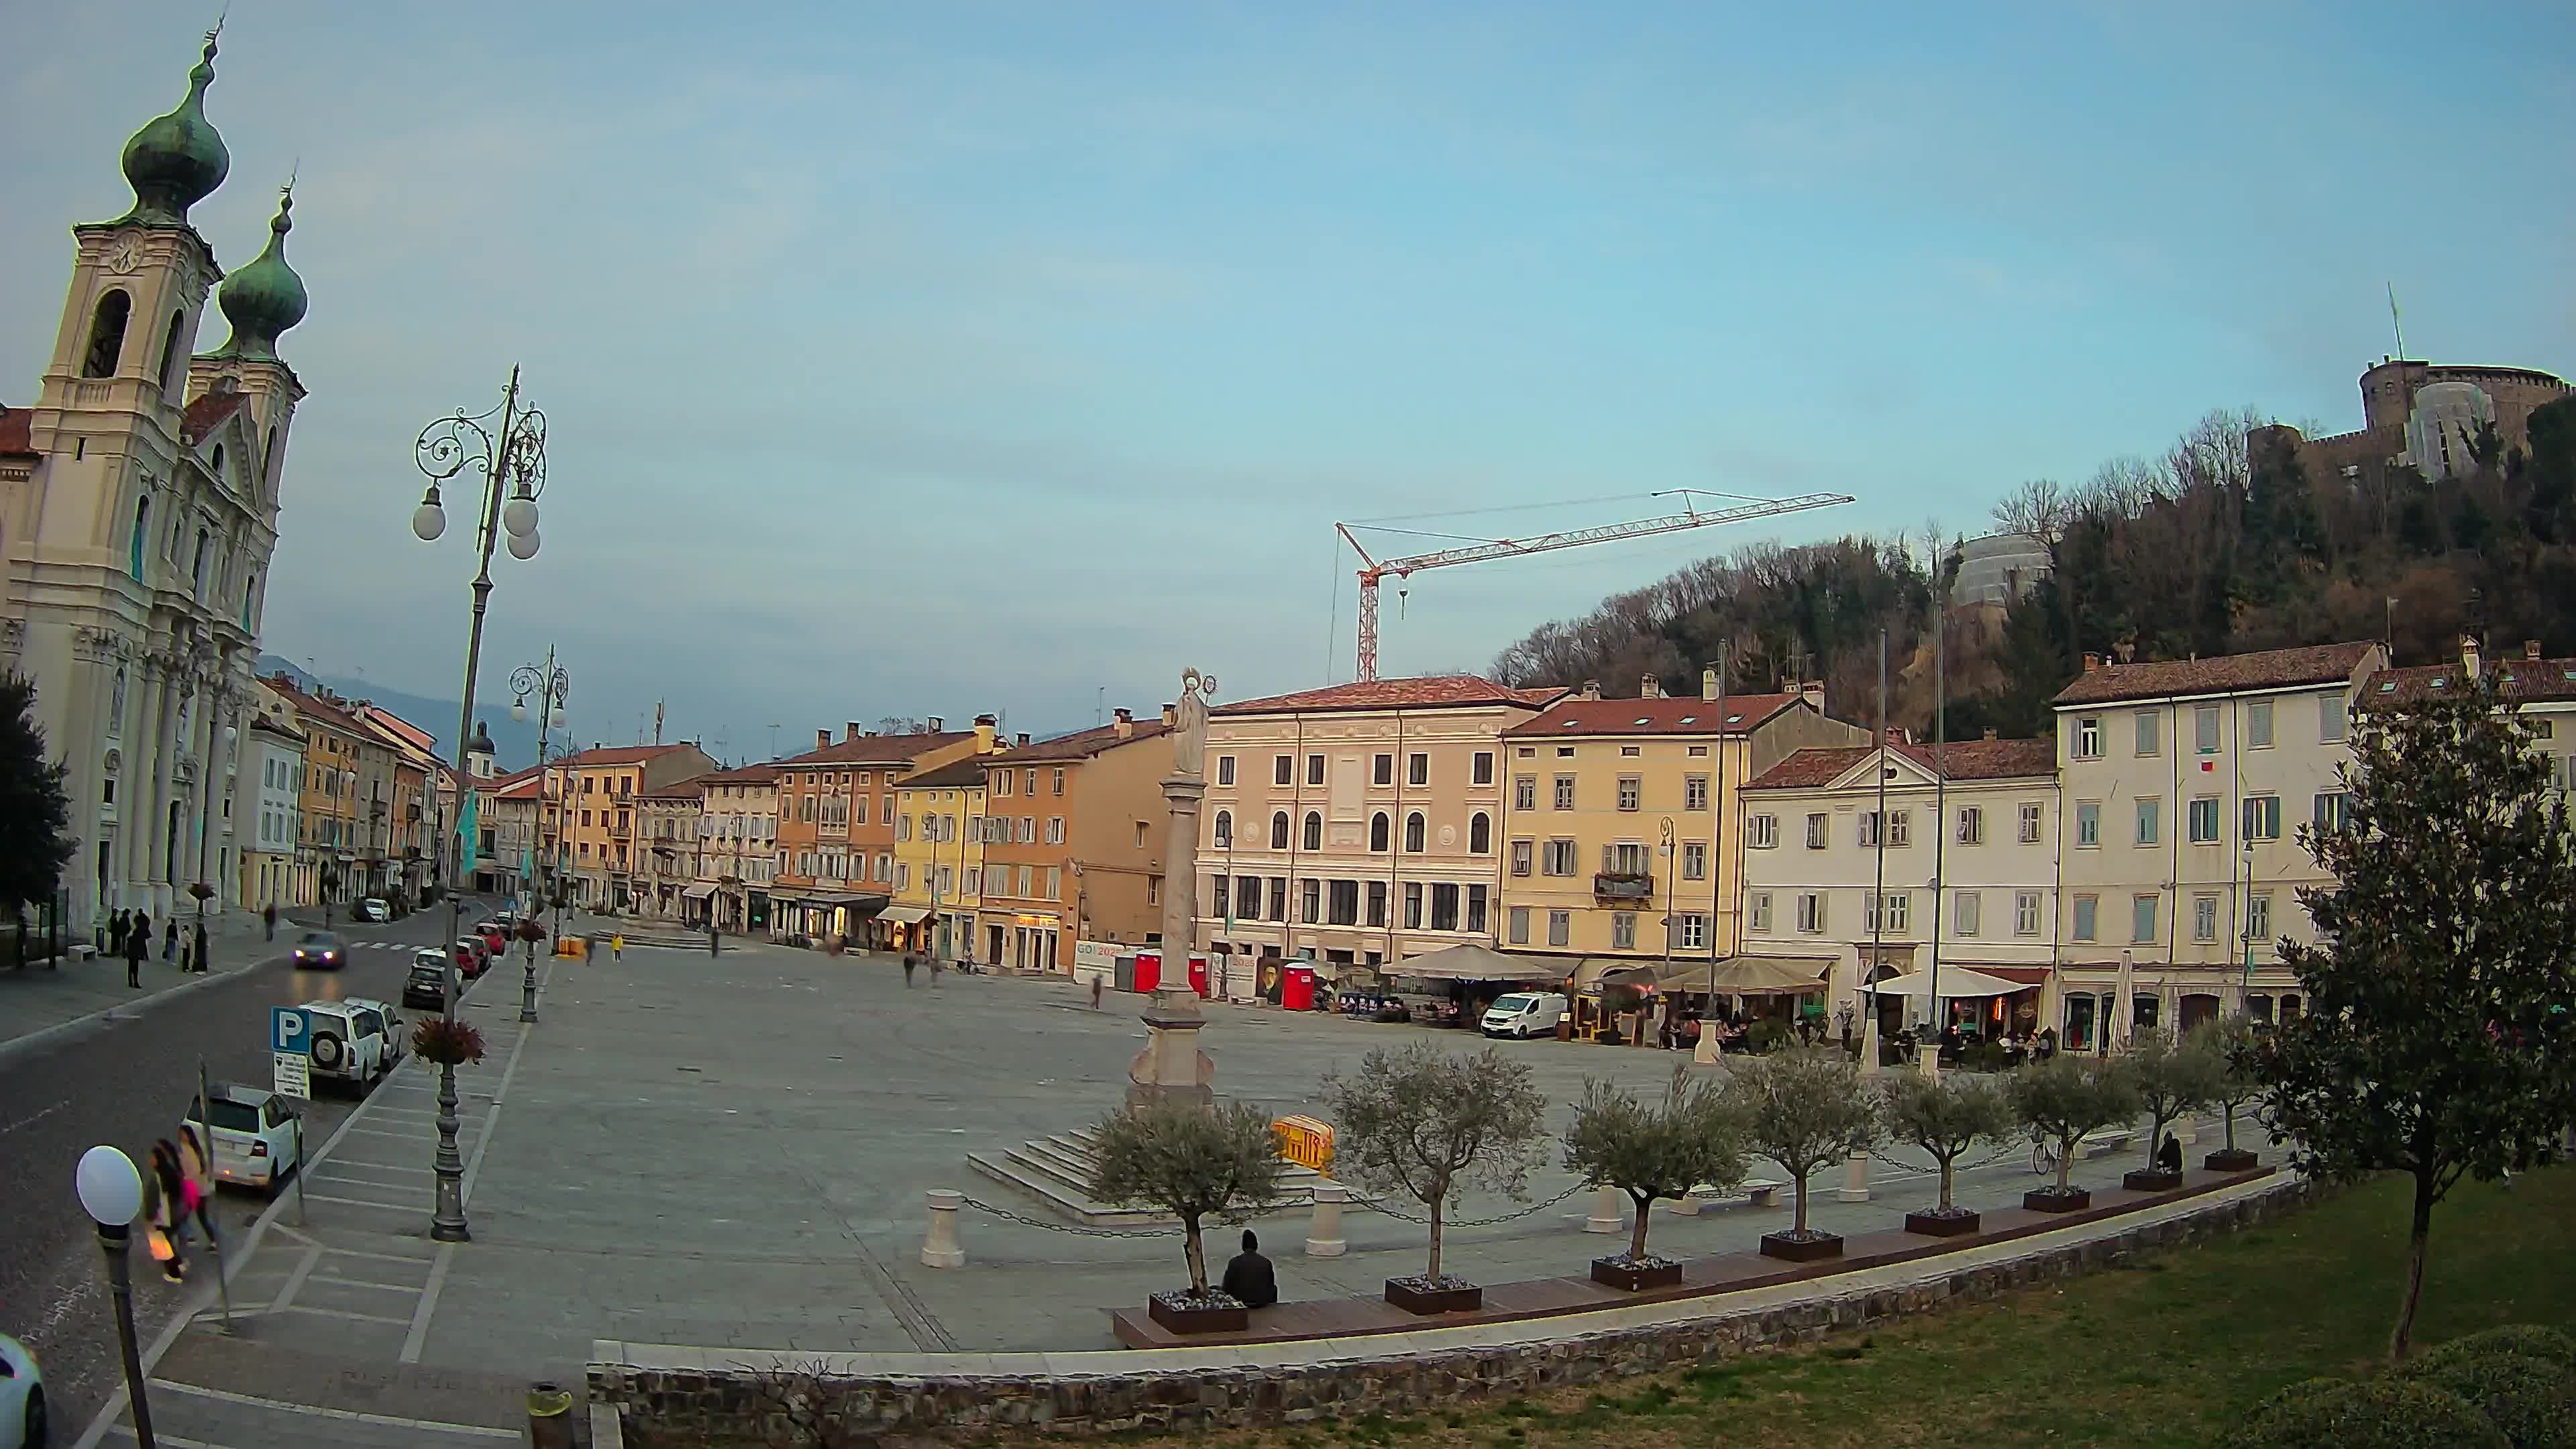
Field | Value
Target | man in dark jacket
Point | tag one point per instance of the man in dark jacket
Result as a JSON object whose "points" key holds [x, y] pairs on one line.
{"points": [[1248, 1278]]}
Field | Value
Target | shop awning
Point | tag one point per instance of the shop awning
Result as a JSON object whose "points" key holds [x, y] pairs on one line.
{"points": [[698, 892], [1956, 981], [904, 915], [1480, 963]]}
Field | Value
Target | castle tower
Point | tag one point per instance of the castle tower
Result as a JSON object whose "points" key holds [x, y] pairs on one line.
{"points": [[137, 523]]}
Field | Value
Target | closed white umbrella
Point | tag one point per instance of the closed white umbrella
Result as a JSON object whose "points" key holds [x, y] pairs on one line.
{"points": [[2122, 1012]]}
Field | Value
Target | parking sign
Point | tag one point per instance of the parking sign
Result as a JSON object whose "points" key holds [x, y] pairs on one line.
{"points": [[290, 1031]]}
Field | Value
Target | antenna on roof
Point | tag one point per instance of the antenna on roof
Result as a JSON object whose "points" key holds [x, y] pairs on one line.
{"points": [[2395, 322]]}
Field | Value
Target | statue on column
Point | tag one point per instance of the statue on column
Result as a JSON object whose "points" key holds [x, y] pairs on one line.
{"points": [[1171, 1065]]}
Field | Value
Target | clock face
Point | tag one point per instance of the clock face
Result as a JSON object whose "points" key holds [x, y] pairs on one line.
{"points": [[125, 254]]}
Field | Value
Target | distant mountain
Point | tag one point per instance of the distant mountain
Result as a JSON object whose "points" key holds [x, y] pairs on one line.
{"points": [[515, 742]]}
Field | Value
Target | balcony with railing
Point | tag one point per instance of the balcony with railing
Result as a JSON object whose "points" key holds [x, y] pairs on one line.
{"points": [[1623, 885]]}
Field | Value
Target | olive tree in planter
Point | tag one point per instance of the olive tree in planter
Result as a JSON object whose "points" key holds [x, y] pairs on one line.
{"points": [[1424, 1123], [1804, 1110], [2171, 1077], [2058, 1101], [1945, 1117], [1651, 1151], [1195, 1164], [2238, 1048]]}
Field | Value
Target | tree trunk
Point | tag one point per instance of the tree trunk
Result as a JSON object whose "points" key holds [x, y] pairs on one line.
{"points": [[1197, 1253], [2417, 1237], [1801, 1225], [2229, 1126], [1637, 1235], [2065, 1161], [1433, 1273], [1946, 1164]]}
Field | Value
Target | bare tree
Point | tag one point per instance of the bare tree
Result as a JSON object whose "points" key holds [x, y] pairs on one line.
{"points": [[1423, 1122]]}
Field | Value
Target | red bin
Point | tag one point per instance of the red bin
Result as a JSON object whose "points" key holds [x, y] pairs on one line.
{"points": [[1297, 988]]}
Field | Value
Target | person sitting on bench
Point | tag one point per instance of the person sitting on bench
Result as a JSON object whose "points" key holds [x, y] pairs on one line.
{"points": [[1249, 1277]]}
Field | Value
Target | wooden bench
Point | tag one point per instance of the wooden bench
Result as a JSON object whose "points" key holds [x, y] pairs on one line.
{"points": [[1761, 1192], [2103, 1144]]}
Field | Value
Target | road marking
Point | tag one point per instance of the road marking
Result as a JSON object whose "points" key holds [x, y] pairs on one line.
{"points": [[481, 1431], [173, 1440], [345, 1313], [295, 1280], [390, 1207], [33, 1118], [363, 1283], [341, 1165], [474, 1167], [427, 1308]]}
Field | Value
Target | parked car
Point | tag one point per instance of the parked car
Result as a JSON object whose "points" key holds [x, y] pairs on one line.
{"points": [[475, 957], [319, 951], [1524, 1014], [375, 908], [426, 986], [495, 935], [355, 1040], [22, 1397], [254, 1134]]}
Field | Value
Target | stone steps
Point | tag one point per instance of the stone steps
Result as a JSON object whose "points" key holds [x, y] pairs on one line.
{"points": [[1056, 1170]]}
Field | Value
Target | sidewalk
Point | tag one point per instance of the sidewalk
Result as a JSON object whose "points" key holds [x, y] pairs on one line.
{"points": [[40, 999]]}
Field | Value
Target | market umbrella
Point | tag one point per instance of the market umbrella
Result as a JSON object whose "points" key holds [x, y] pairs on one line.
{"points": [[2122, 1010]]}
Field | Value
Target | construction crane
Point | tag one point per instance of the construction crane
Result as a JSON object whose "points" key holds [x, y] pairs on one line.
{"points": [[1692, 516]]}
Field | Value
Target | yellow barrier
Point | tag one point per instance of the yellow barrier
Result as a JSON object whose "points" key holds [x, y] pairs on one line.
{"points": [[1305, 1141]]}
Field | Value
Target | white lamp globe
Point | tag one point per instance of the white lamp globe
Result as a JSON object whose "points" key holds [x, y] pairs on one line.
{"points": [[111, 1192], [523, 545], [519, 516], [428, 521], [557, 718], [518, 709]]}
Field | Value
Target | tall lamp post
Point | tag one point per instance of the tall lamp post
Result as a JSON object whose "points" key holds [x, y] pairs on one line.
{"points": [[513, 463], [551, 686], [111, 1192]]}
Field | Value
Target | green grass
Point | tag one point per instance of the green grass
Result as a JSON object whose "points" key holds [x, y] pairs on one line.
{"points": [[2165, 1353]]}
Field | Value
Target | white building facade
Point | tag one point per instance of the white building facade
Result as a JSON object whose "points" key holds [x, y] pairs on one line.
{"points": [[2183, 784], [273, 758], [138, 511], [1962, 874]]}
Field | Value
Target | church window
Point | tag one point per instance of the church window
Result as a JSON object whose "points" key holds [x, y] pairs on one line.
{"points": [[250, 590], [197, 570], [268, 456], [219, 462], [107, 334], [170, 351], [142, 520]]}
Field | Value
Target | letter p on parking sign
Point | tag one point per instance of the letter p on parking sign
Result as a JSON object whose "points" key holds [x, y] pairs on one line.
{"points": [[290, 1031]]}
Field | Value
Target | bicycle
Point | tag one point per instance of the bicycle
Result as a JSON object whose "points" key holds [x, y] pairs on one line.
{"points": [[2043, 1159]]}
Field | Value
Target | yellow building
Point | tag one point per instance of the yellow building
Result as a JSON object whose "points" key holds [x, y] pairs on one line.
{"points": [[939, 859], [596, 791], [1621, 819]]}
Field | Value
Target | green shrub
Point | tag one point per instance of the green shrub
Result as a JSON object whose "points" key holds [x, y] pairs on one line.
{"points": [[2532, 1400], [2373, 1414], [1762, 1036], [2531, 1340]]}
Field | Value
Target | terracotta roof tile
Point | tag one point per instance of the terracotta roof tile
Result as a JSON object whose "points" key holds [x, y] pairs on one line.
{"points": [[617, 755], [1435, 691], [2226, 673], [1660, 716], [874, 749], [765, 774], [967, 773], [1079, 745], [17, 437], [1960, 760], [2515, 678], [693, 788], [207, 413]]}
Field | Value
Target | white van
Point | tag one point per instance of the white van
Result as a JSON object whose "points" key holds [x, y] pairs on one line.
{"points": [[1524, 1014]]}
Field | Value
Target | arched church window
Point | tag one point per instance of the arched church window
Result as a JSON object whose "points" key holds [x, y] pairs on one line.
{"points": [[250, 591], [107, 334], [197, 569], [142, 520], [170, 351], [268, 457], [219, 462]]}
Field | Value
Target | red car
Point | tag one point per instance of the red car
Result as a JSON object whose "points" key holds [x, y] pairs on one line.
{"points": [[472, 956], [495, 935]]}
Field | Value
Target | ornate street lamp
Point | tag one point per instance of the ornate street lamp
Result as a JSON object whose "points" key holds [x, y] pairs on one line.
{"points": [[507, 445], [552, 687], [111, 1192]]}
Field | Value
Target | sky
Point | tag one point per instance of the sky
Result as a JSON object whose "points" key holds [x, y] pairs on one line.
{"points": [[936, 359]]}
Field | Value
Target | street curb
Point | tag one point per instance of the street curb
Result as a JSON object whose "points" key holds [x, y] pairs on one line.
{"points": [[99, 1020]]}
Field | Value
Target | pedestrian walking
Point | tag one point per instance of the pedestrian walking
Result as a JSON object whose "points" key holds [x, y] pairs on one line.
{"points": [[184, 967], [170, 938], [935, 968], [1095, 993], [201, 947], [589, 948], [909, 961], [617, 946], [164, 1208], [198, 1166], [268, 918]]}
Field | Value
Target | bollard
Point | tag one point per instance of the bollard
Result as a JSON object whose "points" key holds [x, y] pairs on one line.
{"points": [[941, 1249], [1324, 1235], [1855, 1186], [549, 1416], [1609, 1211]]}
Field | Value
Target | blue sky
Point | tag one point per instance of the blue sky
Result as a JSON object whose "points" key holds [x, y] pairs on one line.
{"points": [[934, 359]]}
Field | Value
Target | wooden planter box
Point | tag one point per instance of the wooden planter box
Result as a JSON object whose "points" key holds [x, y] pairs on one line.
{"points": [[1228, 1317], [2049, 1200], [2150, 1179], [2231, 1159], [1801, 1250], [1617, 1273], [1414, 1298], [1941, 1225]]}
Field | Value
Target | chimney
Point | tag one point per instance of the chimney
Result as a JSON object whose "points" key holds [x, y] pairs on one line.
{"points": [[936, 725], [1813, 692], [1591, 689], [1990, 732], [1650, 687], [1124, 722], [984, 733], [2092, 662], [2531, 649], [850, 730], [822, 738], [1708, 684], [1021, 739], [2469, 654]]}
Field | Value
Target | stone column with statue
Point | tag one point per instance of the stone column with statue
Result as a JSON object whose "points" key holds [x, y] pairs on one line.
{"points": [[1171, 1065]]}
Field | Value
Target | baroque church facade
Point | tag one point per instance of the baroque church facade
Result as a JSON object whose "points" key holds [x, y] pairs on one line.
{"points": [[138, 514]]}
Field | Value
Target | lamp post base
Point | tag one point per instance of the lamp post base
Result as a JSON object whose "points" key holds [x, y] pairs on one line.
{"points": [[447, 1221], [528, 988]]}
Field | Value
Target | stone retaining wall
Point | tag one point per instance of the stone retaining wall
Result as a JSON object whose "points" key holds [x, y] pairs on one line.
{"points": [[745, 1398]]}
